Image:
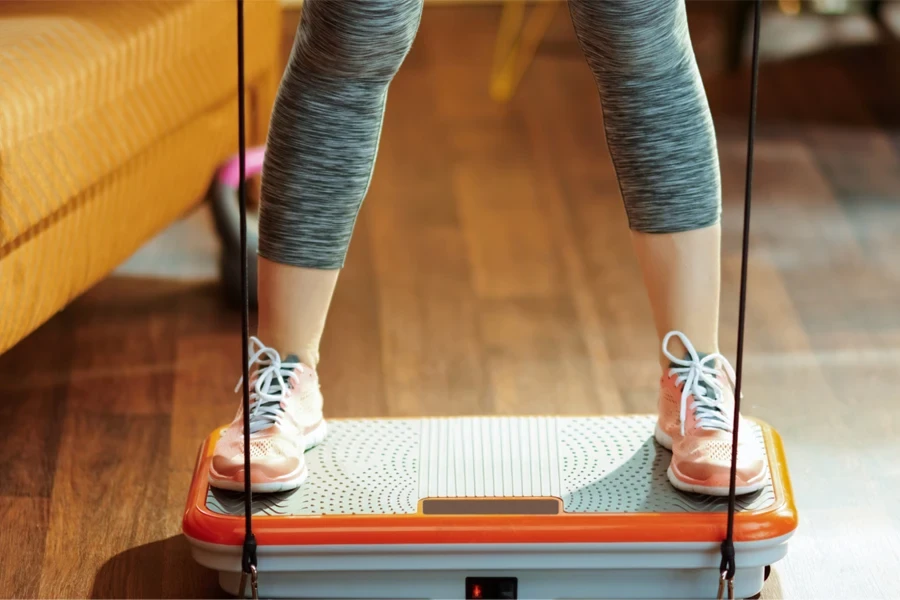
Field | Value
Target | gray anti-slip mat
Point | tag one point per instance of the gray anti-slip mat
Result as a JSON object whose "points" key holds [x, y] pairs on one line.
{"points": [[386, 466]]}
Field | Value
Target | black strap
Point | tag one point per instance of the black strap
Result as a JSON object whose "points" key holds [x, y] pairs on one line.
{"points": [[248, 560], [728, 566]]}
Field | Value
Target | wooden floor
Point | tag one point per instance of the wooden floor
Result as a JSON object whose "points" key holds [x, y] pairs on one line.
{"points": [[491, 272]]}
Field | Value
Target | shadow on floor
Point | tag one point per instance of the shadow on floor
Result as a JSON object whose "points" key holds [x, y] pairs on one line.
{"points": [[163, 569]]}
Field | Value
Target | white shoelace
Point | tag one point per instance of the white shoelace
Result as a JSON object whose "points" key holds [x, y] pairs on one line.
{"points": [[268, 385], [700, 378]]}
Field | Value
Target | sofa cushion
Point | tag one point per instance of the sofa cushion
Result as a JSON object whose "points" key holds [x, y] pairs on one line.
{"points": [[84, 86]]}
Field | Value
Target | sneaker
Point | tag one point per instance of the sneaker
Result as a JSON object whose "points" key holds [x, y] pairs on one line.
{"points": [[696, 416], [285, 421]]}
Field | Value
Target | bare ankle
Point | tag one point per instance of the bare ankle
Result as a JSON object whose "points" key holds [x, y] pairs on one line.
{"points": [[309, 357]]}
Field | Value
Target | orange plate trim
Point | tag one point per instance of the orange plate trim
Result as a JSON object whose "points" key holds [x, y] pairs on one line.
{"points": [[778, 520]]}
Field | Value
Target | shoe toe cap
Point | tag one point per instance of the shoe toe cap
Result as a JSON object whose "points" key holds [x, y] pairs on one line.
{"points": [[706, 469]]}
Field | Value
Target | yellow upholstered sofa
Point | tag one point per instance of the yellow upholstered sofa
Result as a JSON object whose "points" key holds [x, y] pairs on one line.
{"points": [[113, 117]]}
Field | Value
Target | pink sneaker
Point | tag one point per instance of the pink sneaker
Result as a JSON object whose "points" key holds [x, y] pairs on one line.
{"points": [[285, 421], [696, 415]]}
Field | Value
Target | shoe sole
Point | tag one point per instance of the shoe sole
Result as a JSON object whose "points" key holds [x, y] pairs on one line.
{"points": [[665, 440], [291, 482], [316, 436]]}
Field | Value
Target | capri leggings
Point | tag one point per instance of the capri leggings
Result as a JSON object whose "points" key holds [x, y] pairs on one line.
{"points": [[327, 118]]}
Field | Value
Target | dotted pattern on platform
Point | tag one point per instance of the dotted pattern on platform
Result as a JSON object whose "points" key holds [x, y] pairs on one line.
{"points": [[608, 464], [615, 465]]}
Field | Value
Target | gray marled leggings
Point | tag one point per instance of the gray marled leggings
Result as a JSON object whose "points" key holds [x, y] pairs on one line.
{"points": [[327, 119]]}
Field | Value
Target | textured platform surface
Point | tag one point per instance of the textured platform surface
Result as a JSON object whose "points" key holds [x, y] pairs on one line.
{"points": [[592, 464]]}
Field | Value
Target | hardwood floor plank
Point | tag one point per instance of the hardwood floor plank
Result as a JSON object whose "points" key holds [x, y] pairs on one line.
{"points": [[134, 388], [33, 392], [456, 47], [203, 398], [350, 372], [203, 395], [30, 430], [431, 351], [22, 545], [109, 495], [583, 194], [800, 214], [551, 191], [507, 235], [538, 362], [123, 364]]}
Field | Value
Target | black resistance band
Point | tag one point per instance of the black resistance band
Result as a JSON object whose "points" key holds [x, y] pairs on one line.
{"points": [[248, 559], [728, 566]]}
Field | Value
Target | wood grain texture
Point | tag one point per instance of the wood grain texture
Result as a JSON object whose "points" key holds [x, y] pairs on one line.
{"points": [[22, 544], [492, 272], [428, 320], [108, 496], [358, 381], [33, 393]]}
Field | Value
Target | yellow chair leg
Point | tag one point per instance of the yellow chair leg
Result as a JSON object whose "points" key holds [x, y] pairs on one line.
{"points": [[518, 38]]}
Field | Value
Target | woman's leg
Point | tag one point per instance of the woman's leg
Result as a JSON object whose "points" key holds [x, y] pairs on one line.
{"points": [[661, 138], [323, 140], [320, 155]]}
